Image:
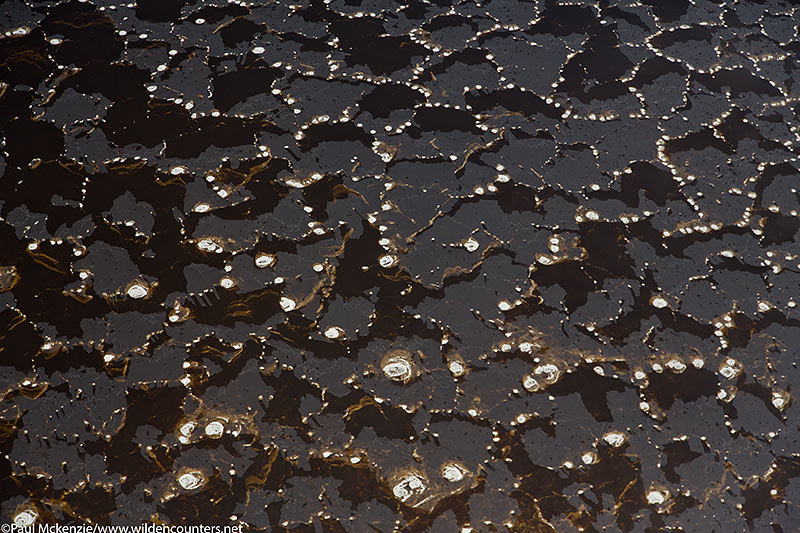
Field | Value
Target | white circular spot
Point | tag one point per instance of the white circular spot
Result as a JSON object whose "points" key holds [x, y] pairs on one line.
{"points": [[676, 365], [264, 260], [728, 371], [25, 518], [588, 458], [453, 472], [550, 371], [398, 368], [530, 383], [334, 332], [191, 480], [208, 245], [227, 283], [503, 305], [659, 302], [201, 207], [387, 260], [780, 400], [592, 215], [215, 428], [408, 486], [259, 50], [287, 304], [187, 428], [457, 368], [614, 438], [137, 291], [656, 497], [471, 244]]}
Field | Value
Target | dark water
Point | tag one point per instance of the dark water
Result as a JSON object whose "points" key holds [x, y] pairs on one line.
{"points": [[372, 266]]}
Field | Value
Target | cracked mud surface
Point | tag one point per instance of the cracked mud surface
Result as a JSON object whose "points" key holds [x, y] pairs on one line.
{"points": [[370, 266]]}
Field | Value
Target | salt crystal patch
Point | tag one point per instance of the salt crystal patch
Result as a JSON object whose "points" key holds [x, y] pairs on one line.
{"points": [[453, 472], [387, 260], [287, 304], [408, 486], [614, 438], [456, 368], [215, 428], [191, 480], [656, 497], [659, 302], [264, 260], [397, 369], [137, 291], [25, 518], [334, 332]]}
